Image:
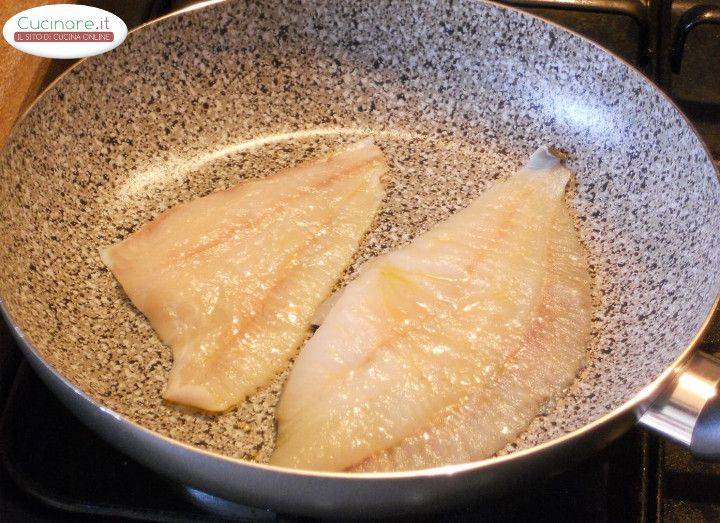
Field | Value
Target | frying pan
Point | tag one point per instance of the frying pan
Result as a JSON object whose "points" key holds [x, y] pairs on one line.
{"points": [[457, 95]]}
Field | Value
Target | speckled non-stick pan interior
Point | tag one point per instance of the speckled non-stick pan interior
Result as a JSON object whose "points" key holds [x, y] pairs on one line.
{"points": [[457, 95]]}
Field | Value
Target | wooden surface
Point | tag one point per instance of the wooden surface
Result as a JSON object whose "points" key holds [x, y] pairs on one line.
{"points": [[21, 75]]}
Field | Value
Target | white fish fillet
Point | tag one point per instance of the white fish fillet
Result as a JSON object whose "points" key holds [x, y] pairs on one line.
{"points": [[231, 281], [443, 351]]}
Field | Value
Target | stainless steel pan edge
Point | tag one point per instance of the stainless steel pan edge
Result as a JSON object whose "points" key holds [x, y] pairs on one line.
{"points": [[387, 493]]}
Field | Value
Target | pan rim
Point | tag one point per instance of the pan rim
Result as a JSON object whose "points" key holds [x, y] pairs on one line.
{"points": [[637, 404]]}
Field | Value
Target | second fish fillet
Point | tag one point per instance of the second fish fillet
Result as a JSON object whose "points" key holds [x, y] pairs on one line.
{"points": [[443, 351], [231, 281]]}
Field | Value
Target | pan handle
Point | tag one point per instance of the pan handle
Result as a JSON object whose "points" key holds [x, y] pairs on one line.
{"points": [[688, 411]]}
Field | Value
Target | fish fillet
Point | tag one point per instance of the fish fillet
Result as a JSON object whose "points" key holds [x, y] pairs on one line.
{"points": [[231, 281], [443, 351]]}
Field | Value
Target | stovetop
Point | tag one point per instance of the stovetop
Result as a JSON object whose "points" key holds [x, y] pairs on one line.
{"points": [[52, 468], [54, 458]]}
